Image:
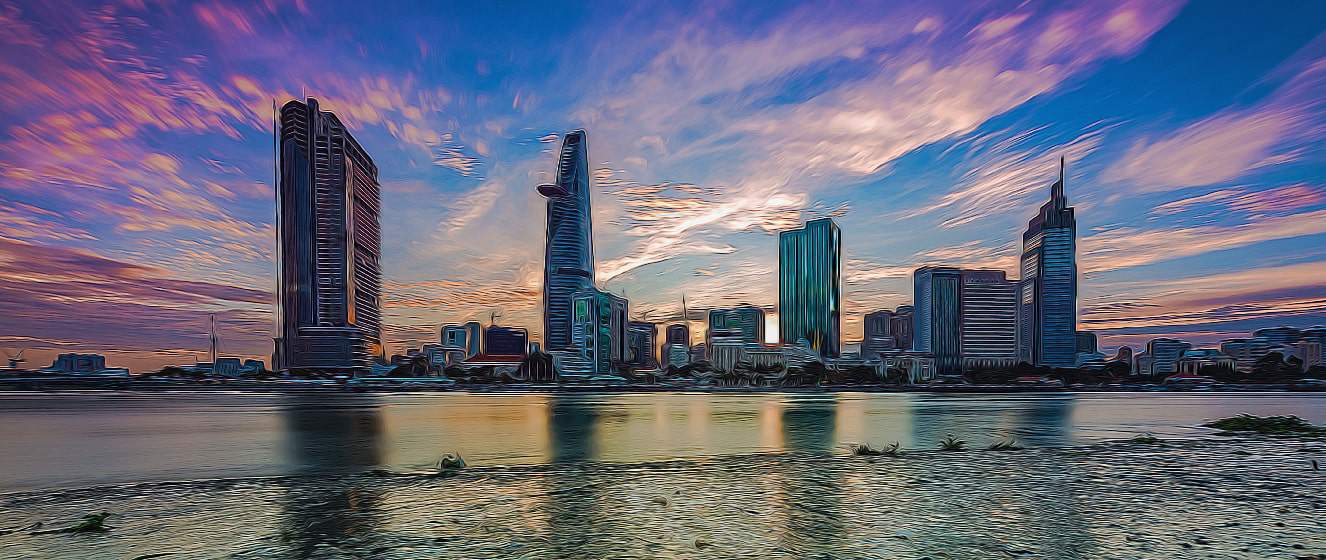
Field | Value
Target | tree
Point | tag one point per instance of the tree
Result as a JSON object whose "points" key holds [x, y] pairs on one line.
{"points": [[896, 376], [1224, 374], [1118, 369], [416, 366], [1273, 368]]}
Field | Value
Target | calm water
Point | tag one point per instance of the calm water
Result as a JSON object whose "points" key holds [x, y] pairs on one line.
{"points": [[644, 476], [79, 440]]}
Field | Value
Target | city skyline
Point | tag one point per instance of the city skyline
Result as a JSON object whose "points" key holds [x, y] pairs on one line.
{"points": [[143, 203]]}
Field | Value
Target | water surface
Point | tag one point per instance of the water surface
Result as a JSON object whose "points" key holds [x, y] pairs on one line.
{"points": [[84, 439]]}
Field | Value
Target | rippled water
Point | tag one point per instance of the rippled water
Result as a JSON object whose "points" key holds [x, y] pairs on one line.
{"points": [[200, 475]]}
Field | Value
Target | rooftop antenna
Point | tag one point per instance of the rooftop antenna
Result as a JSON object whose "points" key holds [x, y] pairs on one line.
{"points": [[685, 314]]}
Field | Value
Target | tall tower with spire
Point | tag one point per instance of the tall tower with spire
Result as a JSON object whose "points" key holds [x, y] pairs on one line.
{"points": [[1047, 298], [569, 247]]}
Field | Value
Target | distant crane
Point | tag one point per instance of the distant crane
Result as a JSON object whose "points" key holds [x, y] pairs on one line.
{"points": [[15, 359], [212, 340]]}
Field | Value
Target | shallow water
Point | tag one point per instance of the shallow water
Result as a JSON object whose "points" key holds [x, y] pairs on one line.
{"points": [[76, 440], [205, 475]]}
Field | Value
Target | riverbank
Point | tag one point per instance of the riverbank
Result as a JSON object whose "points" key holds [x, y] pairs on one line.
{"points": [[1239, 497], [429, 385]]}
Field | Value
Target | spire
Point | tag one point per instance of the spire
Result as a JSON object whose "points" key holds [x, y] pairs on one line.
{"points": [[1057, 190]]}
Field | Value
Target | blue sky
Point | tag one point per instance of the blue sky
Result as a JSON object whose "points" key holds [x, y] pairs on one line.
{"points": [[135, 163]]}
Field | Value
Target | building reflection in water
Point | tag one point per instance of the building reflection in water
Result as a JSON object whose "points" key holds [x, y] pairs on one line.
{"points": [[573, 507], [809, 495], [573, 425], [330, 438], [808, 423]]}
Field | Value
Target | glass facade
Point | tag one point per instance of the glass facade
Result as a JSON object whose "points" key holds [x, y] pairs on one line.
{"points": [[1047, 299], [329, 244], [810, 286], [569, 250], [937, 317], [989, 317], [743, 325], [599, 334]]}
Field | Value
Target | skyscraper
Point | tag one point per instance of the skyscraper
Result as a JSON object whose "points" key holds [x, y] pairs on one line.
{"points": [[329, 244], [568, 262], [810, 286], [1047, 304], [879, 334], [989, 319], [937, 319]]}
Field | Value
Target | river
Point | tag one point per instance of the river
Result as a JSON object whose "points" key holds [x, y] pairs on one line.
{"points": [[650, 475]]}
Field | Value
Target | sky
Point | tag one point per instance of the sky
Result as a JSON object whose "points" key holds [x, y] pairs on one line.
{"points": [[136, 156]]}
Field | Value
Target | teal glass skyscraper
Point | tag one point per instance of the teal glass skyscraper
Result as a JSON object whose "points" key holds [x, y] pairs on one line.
{"points": [[569, 251], [810, 286], [1047, 299]]}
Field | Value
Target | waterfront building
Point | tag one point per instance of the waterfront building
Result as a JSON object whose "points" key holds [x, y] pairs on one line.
{"points": [[1246, 351], [744, 324], [901, 326], [1165, 354], [569, 249], [1086, 342], [676, 355], [1124, 355], [699, 353], [1284, 336], [677, 343], [466, 337], [678, 333], [919, 367], [75, 363], [879, 334], [810, 286], [1047, 310], [724, 354], [763, 356], [227, 367], [641, 340], [937, 319], [988, 319], [598, 329], [329, 245], [1309, 351], [1192, 361], [505, 341], [1143, 366]]}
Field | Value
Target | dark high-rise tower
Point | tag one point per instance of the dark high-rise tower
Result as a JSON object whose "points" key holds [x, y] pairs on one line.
{"points": [[1047, 299], [938, 316], [327, 232], [810, 286], [568, 259]]}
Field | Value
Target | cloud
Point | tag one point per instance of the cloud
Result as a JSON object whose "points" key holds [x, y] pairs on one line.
{"points": [[1206, 302], [1231, 143], [1126, 247]]}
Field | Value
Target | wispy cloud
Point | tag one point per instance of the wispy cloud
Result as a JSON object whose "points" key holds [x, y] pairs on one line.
{"points": [[1231, 143]]}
